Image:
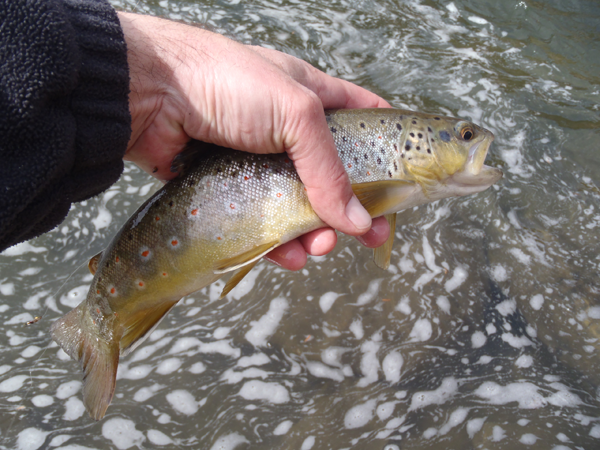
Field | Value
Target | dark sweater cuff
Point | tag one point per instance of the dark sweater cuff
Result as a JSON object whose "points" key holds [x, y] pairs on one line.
{"points": [[65, 102]]}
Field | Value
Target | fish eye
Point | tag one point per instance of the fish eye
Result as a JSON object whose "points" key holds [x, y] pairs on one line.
{"points": [[467, 133]]}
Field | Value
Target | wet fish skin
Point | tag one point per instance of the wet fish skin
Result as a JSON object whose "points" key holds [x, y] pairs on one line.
{"points": [[230, 208]]}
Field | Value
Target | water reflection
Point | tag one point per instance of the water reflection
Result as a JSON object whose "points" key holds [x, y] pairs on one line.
{"points": [[482, 334]]}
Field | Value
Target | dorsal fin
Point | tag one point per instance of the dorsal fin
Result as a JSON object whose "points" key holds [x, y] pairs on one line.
{"points": [[93, 264], [230, 264], [237, 277], [383, 254]]}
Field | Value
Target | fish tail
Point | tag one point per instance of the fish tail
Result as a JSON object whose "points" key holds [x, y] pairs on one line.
{"points": [[98, 356]]}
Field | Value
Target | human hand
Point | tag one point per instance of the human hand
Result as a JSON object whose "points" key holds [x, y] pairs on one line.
{"points": [[187, 82]]}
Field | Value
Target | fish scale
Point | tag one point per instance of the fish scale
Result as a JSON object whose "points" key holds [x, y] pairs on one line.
{"points": [[227, 209]]}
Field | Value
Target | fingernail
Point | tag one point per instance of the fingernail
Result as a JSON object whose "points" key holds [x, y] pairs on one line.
{"points": [[357, 214]]}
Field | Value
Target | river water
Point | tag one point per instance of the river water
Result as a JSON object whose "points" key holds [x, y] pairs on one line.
{"points": [[483, 333]]}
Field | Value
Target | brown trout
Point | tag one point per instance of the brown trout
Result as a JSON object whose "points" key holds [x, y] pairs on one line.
{"points": [[227, 209]]}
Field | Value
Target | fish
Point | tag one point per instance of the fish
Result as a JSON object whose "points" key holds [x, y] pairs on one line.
{"points": [[227, 209]]}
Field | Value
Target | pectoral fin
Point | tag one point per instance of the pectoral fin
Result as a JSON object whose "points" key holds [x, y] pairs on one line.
{"points": [[93, 264], [237, 277], [382, 254], [253, 255], [384, 197]]}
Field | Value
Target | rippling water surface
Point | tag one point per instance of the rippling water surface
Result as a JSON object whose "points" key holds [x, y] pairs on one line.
{"points": [[483, 333]]}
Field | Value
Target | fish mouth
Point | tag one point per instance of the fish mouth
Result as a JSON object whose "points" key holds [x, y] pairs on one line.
{"points": [[476, 176]]}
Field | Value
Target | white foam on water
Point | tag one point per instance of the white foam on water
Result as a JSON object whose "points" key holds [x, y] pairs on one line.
{"points": [[498, 433], [484, 359], [22, 248], [457, 417], [268, 391], [429, 433], [145, 393], [422, 331], [478, 339], [103, 219], [262, 329], [524, 361], [247, 284], [258, 359], [168, 366], [356, 328], [320, 370], [516, 341], [59, 440], [404, 306], [499, 273], [30, 271], [4, 368], [385, 410], [30, 351], [442, 394], [183, 402], [229, 442], [122, 433], [369, 364], [68, 389], [524, 393], [370, 294], [595, 431], [528, 439], [359, 415], [474, 425], [13, 384], [326, 301], [333, 355], [594, 312], [308, 443], [6, 290], [520, 256], [392, 366], [537, 301], [74, 409], [477, 20], [443, 303], [158, 437], [221, 332], [563, 397], [490, 328], [31, 439], [283, 428], [458, 277], [563, 437], [75, 296], [42, 400], [232, 377], [22, 318], [135, 373], [507, 307]]}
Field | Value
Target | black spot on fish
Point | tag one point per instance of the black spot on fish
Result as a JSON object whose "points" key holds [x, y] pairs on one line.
{"points": [[130, 237], [418, 148], [389, 174], [171, 203], [362, 124], [429, 129], [378, 160], [399, 127], [395, 147], [445, 136], [333, 130], [402, 155], [409, 159], [366, 156], [382, 121], [432, 140], [395, 167], [218, 170], [414, 122], [344, 138], [407, 147], [356, 160], [412, 134], [372, 144], [234, 173], [436, 118], [428, 150], [99, 279], [420, 136]]}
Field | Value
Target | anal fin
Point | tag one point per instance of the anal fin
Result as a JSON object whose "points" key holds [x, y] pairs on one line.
{"points": [[253, 255], [237, 277], [141, 324], [384, 197], [383, 253]]}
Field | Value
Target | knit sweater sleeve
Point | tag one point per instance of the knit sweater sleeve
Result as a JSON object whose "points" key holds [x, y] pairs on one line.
{"points": [[64, 111]]}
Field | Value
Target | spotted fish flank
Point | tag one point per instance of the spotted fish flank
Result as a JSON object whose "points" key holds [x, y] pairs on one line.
{"points": [[227, 209]]}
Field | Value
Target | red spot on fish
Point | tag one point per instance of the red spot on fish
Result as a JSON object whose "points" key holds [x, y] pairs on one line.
{"points": [[349, 166], [98, 291], [232, 206], [266, 166], [98, 310], [117, 259], [94, 322], [141, 284], [164, 274], [356, 144], [218, 238], [145, 253], [174, 242], [157, 218], [279, 194], [368, 173], [225, 184], [380, 137], [305, 189], [194, 212], [112, 291], [246, 177], [116, 314]]}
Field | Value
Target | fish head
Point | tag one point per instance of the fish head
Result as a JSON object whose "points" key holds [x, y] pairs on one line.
{"points": [[446, 156]]}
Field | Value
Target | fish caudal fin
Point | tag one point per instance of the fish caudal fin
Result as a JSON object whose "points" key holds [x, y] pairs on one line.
{"points": [[99, 358]]}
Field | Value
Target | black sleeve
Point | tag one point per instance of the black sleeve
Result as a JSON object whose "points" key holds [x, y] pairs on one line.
{"points": [[64, 110]]}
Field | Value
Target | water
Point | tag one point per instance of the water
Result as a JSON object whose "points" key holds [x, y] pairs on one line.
{"points": [[483, 333]]}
